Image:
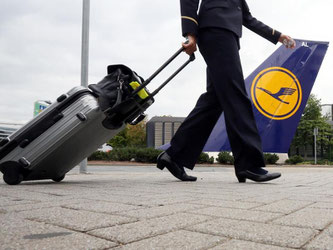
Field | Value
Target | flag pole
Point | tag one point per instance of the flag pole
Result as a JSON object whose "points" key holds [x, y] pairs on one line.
{"points": [[85, 58]]}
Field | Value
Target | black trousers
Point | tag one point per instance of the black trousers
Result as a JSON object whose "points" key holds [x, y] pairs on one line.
{"points": [[225, 93]]}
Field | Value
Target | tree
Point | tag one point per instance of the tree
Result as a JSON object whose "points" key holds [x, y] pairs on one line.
{"points": [[130, 136], [136, 135], [120, 140], [312, 118]]}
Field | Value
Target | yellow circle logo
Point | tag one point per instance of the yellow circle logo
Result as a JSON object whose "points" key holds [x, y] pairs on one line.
{"points": [[276, 93]]}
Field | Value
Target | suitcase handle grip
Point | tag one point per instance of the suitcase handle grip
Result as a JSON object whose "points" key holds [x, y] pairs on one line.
{"points": [[146, 82], [191, 59]]}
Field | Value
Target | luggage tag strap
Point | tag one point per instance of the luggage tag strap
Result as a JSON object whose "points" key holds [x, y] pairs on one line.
{"points": [[119, 95]]}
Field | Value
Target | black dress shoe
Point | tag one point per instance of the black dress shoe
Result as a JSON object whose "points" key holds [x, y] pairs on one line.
{"points": [[164, 160], [258, 175]]}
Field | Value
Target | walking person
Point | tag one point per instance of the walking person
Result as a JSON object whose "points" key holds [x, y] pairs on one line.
{"points": [[217, 29]]}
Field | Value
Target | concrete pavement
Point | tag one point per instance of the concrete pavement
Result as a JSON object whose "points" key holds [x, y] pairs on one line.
{"points": [[140, 207]]}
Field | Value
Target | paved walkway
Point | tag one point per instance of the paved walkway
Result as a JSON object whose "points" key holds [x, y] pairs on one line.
{"points": [[143, 208]]}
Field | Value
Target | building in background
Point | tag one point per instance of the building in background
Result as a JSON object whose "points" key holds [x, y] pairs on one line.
{"points": [[40, 105], [160, 130]]}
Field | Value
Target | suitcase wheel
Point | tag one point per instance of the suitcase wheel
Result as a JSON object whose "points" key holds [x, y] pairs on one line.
{"points": [[13, 179], [12, 173], [58, 179]]}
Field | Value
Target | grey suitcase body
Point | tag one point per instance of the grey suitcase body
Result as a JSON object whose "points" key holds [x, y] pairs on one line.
{"points": [[73, 127], [74, 131]]}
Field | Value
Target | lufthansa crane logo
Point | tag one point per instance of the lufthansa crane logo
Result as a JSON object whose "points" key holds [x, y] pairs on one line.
{"points": [[276, 93]]}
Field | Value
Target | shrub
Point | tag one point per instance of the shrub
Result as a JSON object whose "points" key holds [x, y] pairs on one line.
{"points": [[271, 158], [98, 156], [225, 158], [294, 160], [122, 154], [204, 158], [324, 162], [147, 155]]}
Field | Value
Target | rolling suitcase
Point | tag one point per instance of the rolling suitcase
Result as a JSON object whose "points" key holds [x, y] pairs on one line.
{"points": [[74, 126]]}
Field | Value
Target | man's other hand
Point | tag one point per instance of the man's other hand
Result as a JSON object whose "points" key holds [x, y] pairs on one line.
{"points": [[287, 41], [191, 46]]}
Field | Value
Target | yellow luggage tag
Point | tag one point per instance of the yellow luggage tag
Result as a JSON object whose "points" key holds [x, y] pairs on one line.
{"points": [[142, 93]]}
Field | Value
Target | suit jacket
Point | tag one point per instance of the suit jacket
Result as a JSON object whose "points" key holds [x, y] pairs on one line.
{"points": [[226, 14]]}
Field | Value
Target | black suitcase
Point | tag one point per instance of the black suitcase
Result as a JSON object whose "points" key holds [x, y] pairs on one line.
{"points": [[76, 124]]}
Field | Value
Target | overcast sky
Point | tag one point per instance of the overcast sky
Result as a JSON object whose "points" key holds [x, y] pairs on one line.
{"points": [[40, 47]]}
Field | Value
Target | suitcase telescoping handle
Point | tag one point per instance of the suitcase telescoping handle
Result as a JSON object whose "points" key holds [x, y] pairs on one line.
{"points": [[146, 82]]}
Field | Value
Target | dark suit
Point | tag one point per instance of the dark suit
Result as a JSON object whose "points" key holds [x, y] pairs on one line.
{"points": [[226, 14], [218, 27]]}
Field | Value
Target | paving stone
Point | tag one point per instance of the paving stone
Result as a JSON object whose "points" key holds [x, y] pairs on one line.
{"points": [[182, 240], [326, 205], [239, 214], [166, 200], [74, 219], [271, 234], [248, 245], [308, 217], [60, 211], [221, 197], [39, 205], [139, 200], [324, 241], [33, 194], [161, 210], [18, 233], [227, 203], [312, 196], [125, 192], [147, 228], [102, 207], [284, 206], [10, 201], [267, 198], [136, 201]]}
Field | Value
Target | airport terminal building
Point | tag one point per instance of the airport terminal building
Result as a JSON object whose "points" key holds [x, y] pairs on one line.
{"points": [[160, 130]]}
